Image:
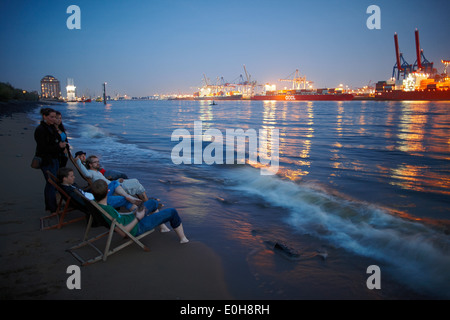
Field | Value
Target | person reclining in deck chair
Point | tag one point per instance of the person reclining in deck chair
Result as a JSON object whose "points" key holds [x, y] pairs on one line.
{"points": [[109, 174], [139, 221], [91, 170], [66, 179]]}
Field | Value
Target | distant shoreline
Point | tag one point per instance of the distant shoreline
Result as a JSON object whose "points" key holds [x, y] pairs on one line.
{"points": [[21, 106]]}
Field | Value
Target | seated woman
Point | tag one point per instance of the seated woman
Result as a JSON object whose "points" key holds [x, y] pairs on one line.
{"points": [[139, 221]]}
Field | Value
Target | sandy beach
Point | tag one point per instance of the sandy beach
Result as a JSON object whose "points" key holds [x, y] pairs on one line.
{"points": [[231, 254], [34, 262]]}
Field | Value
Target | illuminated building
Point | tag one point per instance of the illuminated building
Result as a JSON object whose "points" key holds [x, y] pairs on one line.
{"points": [[50, 88]]}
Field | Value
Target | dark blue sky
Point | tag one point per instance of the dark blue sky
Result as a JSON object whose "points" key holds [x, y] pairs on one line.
{"points": [[165, 46]]}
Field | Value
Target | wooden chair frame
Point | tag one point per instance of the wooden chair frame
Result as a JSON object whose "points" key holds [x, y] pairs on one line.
{"points": [[74, 162], [59, 214], [103, 255]]}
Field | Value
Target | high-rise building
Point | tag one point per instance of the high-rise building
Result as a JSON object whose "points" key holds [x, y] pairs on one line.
{"points": [[50, 88]]}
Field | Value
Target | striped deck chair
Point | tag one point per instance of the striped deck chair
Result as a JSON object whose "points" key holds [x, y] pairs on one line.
{"points": [[74, 162], [64, 207], [97, 218]]}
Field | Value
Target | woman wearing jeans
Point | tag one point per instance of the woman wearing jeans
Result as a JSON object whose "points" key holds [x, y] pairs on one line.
{"points": [[48, 147]]}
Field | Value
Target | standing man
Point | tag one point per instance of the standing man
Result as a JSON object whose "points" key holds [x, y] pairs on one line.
{"points": [[48, 148]]}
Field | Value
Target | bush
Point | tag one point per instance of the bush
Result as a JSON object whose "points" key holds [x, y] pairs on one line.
{"points": [[8, 92]]}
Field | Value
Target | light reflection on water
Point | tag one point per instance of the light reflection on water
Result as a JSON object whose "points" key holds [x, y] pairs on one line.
{"points": [[393, 155], [348, 135], [352, 146]]}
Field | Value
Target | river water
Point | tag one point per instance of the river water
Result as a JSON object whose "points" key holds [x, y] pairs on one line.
{"points": [[356, 183]]}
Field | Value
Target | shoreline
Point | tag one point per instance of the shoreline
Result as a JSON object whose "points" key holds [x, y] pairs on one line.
{"points": [[34, 262], [22, 106], [225, 264]]}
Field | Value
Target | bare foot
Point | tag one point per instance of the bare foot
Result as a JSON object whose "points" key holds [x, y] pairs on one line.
{"points": [[163, 228]]}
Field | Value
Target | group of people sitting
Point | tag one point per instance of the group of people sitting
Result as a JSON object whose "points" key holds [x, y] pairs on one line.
{"points": [[143, 213], [112, 190]]}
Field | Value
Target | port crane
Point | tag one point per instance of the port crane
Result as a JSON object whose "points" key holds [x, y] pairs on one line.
{"points": [[403, 68], [220, 87], [247, 85], [206, 80], [297, 80], [421, 64]]}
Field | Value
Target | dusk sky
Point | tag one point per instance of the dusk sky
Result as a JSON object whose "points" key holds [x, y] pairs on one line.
{"points": [[165, 46]]}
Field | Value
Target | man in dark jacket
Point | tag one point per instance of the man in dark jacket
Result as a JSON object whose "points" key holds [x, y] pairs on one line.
{"points": [[48, 148]]}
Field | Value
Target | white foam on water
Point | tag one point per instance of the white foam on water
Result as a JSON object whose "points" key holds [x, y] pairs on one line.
{"points": [[100, 142], [417, 254]]}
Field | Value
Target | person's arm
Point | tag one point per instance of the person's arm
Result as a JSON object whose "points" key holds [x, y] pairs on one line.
{"points": [[138, 217], [77, 200], [140, 213], [114, 214], [128, 227], [45, 144], [83, 169], [88, 195]]}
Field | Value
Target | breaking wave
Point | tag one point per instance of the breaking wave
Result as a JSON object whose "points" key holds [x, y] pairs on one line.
{"points": [[417, 254]]}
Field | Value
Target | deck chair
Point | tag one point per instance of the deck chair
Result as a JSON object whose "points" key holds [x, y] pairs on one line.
{"points": [[95, 220], [74, 162], [61, 212]]}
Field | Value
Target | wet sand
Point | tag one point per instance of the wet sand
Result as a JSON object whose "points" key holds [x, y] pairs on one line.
{"points": [[34, 262]]}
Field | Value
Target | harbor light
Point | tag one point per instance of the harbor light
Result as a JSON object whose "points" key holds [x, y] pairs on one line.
{"points": [[70, 88]]}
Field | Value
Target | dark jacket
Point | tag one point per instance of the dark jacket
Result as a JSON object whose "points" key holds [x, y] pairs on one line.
{"points": [[81, 204], [77, 201], [47, 143]]}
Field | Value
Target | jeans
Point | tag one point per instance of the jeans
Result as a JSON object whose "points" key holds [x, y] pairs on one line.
{"points": [[49, 190], [114, 175], [151, 205], [117, 201], [153, 220], [120, 201]]}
